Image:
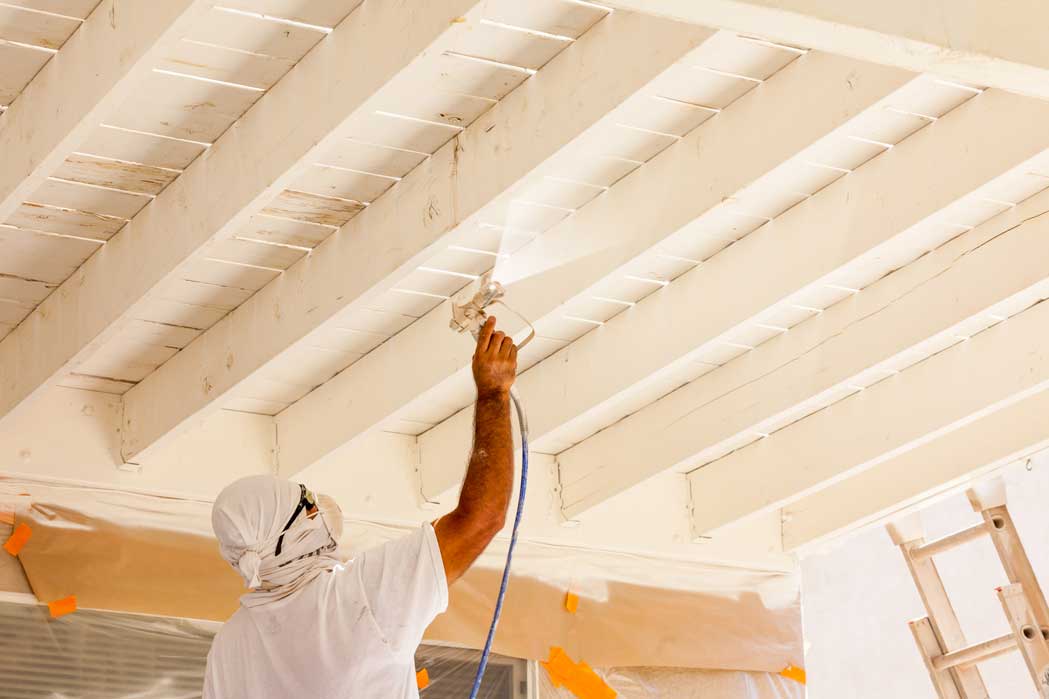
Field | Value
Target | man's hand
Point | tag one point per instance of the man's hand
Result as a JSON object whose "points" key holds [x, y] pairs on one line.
{"points": [[465, 532], [495, 361]]}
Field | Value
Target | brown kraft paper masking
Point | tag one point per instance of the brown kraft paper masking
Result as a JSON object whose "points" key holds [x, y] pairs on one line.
{"points": [[171, 573]]}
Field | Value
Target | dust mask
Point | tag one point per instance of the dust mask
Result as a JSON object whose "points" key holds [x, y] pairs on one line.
{"points": [[331, 514]]}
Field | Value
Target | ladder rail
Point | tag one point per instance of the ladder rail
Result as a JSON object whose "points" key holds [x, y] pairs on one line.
{"points": [[929, 646], [1029, 638], [1015, 561]]}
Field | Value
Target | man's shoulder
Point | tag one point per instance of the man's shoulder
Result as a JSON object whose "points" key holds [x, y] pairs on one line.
{"points": [[231, 626], [243, 625]]}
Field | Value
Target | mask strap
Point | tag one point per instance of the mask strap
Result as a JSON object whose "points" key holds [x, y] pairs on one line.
{"points": [[304, 503]]}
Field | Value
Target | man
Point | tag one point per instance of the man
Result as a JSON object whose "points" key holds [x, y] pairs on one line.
{"points": [[313, 626]]}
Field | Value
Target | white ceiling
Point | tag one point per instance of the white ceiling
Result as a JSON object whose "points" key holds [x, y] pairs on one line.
{"points": [[741, 256]]}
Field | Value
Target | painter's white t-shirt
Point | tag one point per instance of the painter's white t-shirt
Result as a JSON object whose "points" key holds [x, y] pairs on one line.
{"points": [[349, 634]]}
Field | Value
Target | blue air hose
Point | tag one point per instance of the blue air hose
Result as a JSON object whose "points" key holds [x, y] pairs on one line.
{"points": [[523, 424]]}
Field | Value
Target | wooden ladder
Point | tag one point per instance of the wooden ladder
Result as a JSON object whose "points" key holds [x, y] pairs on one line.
{"points": [[950, 661]]}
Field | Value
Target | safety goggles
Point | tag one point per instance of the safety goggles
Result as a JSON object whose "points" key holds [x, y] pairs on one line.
{"points": [[306, 502]]}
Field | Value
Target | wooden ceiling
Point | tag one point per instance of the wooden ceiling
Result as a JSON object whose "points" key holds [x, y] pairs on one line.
{"points": [[786, 263]]}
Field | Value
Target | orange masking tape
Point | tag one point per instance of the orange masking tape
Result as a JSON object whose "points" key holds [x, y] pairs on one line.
{"points": [[589, 685], [571, 603], [18, 539], [578, 678], [61, 607], [793, 673], [559, 666], [422, 679]]}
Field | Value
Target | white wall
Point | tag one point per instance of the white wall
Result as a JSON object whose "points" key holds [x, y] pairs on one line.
{"points": [[857, 597]]}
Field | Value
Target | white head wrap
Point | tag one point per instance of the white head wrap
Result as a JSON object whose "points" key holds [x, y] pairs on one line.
{"points": [[249, 516]]}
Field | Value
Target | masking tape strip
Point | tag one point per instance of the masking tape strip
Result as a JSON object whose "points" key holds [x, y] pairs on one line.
{"points": [[578, 678], [559, 666], [18, 539], [422, 679], [793, 673], [61, 607]]}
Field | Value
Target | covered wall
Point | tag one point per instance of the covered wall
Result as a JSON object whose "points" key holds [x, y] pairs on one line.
{"points": [[147, 554]]}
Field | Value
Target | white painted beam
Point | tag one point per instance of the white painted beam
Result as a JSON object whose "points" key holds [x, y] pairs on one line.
{"points": [[990, 44], [811, 97], [972, 379], [227, 446], [989, 265], [96, 70], [948, 463], [387, 463], [253, 161]]}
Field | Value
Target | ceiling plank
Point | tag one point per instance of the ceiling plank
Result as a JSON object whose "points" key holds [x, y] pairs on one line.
{"points": [[79, 9], [442, 198], [128, 147], [324, 13], [1001, 366], [274, 141], [966, 43], [115, 174], [20, 64], [30, 256], [45, 31]]}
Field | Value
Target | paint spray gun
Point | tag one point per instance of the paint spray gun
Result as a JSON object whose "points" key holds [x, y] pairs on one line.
{"points": [[470, 316]]}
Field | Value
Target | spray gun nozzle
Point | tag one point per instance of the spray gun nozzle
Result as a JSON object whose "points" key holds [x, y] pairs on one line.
{"points": [[471, 315]]}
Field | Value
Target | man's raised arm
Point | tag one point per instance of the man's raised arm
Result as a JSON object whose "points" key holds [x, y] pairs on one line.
{"points": [[466, 531]]}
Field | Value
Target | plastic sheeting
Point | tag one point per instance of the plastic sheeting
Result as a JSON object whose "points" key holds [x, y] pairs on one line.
{"points": [[109, 655], [12, 577], [103, 655], [449, 674], [148, 554], [98, 655], [632, 626]]}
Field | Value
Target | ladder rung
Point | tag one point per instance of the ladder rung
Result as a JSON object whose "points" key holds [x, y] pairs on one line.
{"points": [[920, 553], [976, 653]]}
